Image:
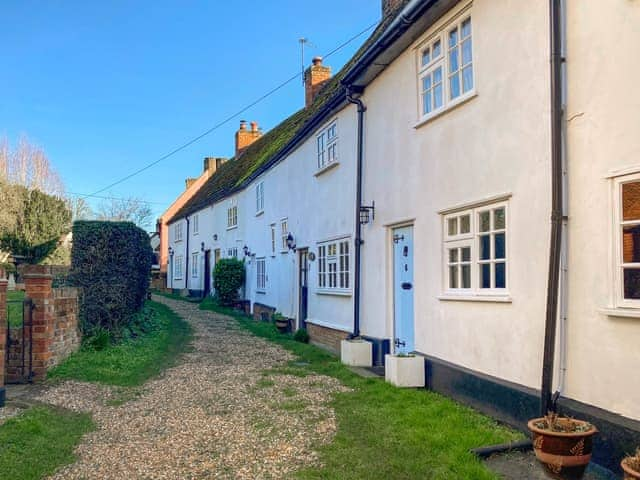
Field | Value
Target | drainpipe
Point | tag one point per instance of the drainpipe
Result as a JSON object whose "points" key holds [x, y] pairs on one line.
{"points": [[358, 227], [186, 259], [557, 215]]}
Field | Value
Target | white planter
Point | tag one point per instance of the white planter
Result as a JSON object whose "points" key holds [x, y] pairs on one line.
{"points": [[404, 371], [356, 353]]}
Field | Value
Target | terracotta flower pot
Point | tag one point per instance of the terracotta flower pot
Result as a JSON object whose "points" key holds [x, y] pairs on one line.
{"points": [[564, 455], [629, 473], [282, 325]]}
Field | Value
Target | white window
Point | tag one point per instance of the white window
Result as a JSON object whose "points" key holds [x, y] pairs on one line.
{"points": [[475, 250], [232, 252], [195, 222], [261, 274], [446, 67], [627, 241], [334, 265], [284, 234], [259, 198], [273, 239], [232, 216], [177, 232], [177, 267], [194, 265], [327, 145]]}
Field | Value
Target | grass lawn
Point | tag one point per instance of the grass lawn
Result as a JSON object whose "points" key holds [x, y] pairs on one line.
{"points": [[37, 442], [133, 361], [387, 432], [14, 310]]}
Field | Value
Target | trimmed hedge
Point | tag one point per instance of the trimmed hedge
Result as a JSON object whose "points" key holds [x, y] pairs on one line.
{"points": [[228, 278], [111, 262]]}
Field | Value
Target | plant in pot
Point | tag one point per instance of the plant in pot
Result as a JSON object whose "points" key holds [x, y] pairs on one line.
{"points": [[563, 445], [282, 322], [631, 466]]}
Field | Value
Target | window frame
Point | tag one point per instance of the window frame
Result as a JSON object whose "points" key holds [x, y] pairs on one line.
{"points": [[261, 274], [177, 232], [284, 234], [178, 262], [260, 198], [195, 264], [327, 154], [335, 266], [195, 222], [274, 239], [232, 217], [443, 61], [472, 240], [618, 264]]}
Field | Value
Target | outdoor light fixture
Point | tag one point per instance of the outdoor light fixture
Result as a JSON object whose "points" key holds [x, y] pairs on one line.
{"points": [[202, 246], [215, 237], [367, 213], [247, 252], [171, 252], [291, 242]]}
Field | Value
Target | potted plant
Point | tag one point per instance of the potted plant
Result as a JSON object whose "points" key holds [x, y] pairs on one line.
{"points": [[631, 466], [404, 370], [282, 322], [563, 445]]}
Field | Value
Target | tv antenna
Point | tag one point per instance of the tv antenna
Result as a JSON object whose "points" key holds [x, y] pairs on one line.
{"points": [[303, 41]]}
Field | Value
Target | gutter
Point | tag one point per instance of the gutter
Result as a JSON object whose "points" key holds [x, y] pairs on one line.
{"points": [[547, 401], [358, 226]]}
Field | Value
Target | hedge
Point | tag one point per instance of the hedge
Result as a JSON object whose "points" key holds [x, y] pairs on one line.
{"points": [[111, 262], [228, 278]]}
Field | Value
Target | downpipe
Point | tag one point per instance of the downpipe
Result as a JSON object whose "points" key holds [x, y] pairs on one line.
{"points": [[358, 227]]}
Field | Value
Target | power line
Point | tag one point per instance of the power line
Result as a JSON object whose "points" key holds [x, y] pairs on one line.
{"points": [[85, 195], [227, 119]]}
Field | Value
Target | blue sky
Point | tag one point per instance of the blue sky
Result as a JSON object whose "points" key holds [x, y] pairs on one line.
{"points": [[107, 87]]}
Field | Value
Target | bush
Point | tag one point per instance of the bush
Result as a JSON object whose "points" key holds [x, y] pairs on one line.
{"points": [[301, 335], [111, 262], [228, 278]]}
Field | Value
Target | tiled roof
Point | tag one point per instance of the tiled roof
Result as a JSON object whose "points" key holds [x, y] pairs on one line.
{"points": [[238, 172]]}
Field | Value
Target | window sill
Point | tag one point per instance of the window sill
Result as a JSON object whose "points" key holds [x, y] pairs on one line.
{"points": [[620, 312], [261, 292], [326, 168], [232, 228], [195, 233], [452, 106], [475, 298], [259, 213], [339, 293]]}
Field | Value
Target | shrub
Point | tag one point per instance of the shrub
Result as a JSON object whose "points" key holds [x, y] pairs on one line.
{"points": [[228, 278], [301, 335], [111, 262]]}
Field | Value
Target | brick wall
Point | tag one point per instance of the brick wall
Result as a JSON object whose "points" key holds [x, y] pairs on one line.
{"points": [[326, 337], [262, 312], [3, 332], [66, 335]]}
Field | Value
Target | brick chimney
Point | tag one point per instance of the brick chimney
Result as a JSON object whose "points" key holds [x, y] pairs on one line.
{"points": [[188, 182], [211, 164], [245, 137], [314, 78], [390, 6]]}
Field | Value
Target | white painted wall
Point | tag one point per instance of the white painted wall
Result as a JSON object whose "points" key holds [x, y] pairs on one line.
{"points": [[317, 208], [495, 143], [603, 353]]}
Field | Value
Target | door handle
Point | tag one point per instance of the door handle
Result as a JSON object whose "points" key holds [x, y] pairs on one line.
{"points": [[398, 343], [406, 286]]}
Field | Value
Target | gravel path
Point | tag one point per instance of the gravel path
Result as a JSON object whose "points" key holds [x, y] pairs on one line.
{"points": [[215, 415]]}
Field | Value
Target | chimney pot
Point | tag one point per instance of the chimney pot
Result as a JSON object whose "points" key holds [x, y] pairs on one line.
{"points": [[243, 124], [317, 60], [254, 126]]}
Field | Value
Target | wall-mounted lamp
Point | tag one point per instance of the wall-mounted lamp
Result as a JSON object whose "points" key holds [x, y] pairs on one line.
{"points": [[202, 247], [215, 237], [247, 252], [367, 213], [291, 244], [171, 252]]}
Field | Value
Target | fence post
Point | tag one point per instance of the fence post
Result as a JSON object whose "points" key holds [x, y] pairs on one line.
{"points": [[38, 286], [3, 334]]}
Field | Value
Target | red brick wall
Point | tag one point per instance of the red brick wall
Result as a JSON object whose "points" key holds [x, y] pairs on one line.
{"points": [[3, 325], [66, 334], [259, 309], [326, 337]]}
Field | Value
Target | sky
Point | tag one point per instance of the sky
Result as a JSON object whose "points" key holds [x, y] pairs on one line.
{"points": [[106, 88]]}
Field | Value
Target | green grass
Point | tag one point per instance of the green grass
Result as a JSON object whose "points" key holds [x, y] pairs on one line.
{"points": [[387, 432], [37, 442], [131, 362], [175, 296], [14, 310]]}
